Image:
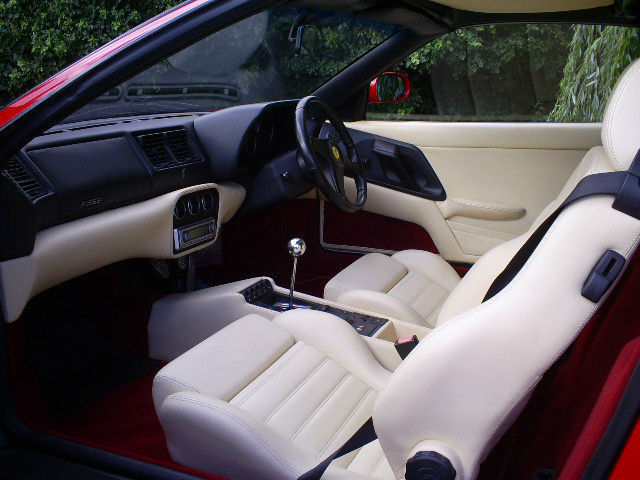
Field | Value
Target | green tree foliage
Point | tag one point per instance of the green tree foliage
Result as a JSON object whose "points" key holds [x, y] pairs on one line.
{"points": [[501, 72], [487, 73], [337, 45], [39, 37], [597, 57]]}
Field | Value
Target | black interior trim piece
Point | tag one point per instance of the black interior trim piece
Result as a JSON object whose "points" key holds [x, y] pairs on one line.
{"points": [[617, 432], [397, 165]]}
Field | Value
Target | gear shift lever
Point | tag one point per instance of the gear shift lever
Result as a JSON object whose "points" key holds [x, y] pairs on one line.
{"points": [[296, 248]]}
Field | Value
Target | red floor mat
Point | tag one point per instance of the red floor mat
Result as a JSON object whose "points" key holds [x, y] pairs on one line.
{"points": [[123, 422]]}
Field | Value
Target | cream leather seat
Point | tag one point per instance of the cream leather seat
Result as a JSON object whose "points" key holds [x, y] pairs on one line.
{"points": [[422, 288], [411, 285], [270, 399]]}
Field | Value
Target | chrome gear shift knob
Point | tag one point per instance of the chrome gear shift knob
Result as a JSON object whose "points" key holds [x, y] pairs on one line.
{"points": [[296, 247]]}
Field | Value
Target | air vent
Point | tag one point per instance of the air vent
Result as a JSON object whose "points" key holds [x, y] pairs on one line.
{"points": [[24, 179], [168, 149], [180, 147]]}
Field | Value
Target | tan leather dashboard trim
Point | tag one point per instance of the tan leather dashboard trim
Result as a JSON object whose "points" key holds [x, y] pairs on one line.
{"points": [[63, 252]]}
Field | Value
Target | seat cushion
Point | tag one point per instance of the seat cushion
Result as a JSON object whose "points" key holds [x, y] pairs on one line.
{"points": [[220, 366], [411, 285], [375, 272], [294, 389]]}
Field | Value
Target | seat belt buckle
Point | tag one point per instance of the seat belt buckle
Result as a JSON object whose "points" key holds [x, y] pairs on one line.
{"points": [[405, 345], [603, 275]]}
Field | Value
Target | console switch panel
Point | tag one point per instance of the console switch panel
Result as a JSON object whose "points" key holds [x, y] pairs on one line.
{"points": [[262, 295]]}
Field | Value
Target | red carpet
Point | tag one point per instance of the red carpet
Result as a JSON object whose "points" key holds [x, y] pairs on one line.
{"points": [[559, 429]]}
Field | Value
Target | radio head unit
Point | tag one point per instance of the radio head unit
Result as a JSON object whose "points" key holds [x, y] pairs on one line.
{"points": [[195, 219]]}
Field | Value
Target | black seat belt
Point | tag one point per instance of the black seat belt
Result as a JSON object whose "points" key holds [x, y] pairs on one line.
{"points": [[365, 434], [624, 185]]}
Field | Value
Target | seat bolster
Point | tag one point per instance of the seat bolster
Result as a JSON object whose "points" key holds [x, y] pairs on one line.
{"points": [[470, 378], [237, 354], [375, 272], [214, 436], [430, 265], [382, 304], [337, 340]]}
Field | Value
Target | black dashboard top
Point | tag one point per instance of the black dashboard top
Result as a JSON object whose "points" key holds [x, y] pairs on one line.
{"points": [[77, 170], [82, 169]]}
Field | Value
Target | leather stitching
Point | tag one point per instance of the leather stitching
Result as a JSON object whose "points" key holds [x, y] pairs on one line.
{"points": [[300, 385], [319, 407], [608, 125], [377, 464], [345, 423], [259, 385], [256, 434], [168, 378], [485, 206]]}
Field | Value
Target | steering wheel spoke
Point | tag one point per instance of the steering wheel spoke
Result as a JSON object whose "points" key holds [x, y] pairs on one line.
{"points": [[337, 177], [321, 146], [328, 158]]}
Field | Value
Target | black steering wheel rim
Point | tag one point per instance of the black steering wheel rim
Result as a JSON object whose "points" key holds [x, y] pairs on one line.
{"points": [[326, 160]]}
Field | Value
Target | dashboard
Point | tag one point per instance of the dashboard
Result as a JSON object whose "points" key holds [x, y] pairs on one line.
{"points": [[74, 171], [85, 195]]}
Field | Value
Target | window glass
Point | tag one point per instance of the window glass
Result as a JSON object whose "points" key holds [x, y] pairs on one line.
{"points": [[528, 73], [256, 60]]}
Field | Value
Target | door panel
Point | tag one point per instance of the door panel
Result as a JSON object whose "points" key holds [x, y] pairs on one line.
{"points": [[398, 165], [498, 177]]}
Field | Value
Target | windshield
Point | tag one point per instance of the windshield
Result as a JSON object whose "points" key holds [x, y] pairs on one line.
{"points": [[274, 55]]}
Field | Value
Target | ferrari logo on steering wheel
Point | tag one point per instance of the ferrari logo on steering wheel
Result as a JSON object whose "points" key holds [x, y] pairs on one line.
{"points": [[336, 154]]}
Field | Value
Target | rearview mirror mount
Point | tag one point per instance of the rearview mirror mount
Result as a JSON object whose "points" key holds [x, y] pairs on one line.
{"points": [[306, 40]]}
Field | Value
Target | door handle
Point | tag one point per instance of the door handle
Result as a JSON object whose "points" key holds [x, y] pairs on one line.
{"points": [[461, 207]]}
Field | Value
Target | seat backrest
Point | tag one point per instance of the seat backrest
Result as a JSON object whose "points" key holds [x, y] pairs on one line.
{"points": [[466, 382], [619, 138], [474, 285]]}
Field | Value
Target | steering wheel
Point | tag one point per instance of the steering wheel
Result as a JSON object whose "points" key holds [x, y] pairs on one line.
{"points": [[329, 158]]}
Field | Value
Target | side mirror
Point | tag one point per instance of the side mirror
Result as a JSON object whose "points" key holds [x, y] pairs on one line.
{"points": [[305, 40], [390, 87]]}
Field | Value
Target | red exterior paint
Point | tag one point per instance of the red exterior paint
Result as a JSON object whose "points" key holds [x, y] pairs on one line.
{"points": [[373, 88], [25, 102], [628, 464]]}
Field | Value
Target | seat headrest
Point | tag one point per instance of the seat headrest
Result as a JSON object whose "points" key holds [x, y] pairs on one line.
{"points": [[621, 124]]}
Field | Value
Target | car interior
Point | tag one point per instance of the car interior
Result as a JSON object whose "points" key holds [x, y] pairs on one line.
{"points": [[233, 290]]}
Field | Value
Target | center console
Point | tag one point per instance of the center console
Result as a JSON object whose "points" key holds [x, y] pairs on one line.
{"points": [[263, 295], [180, 321]]}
